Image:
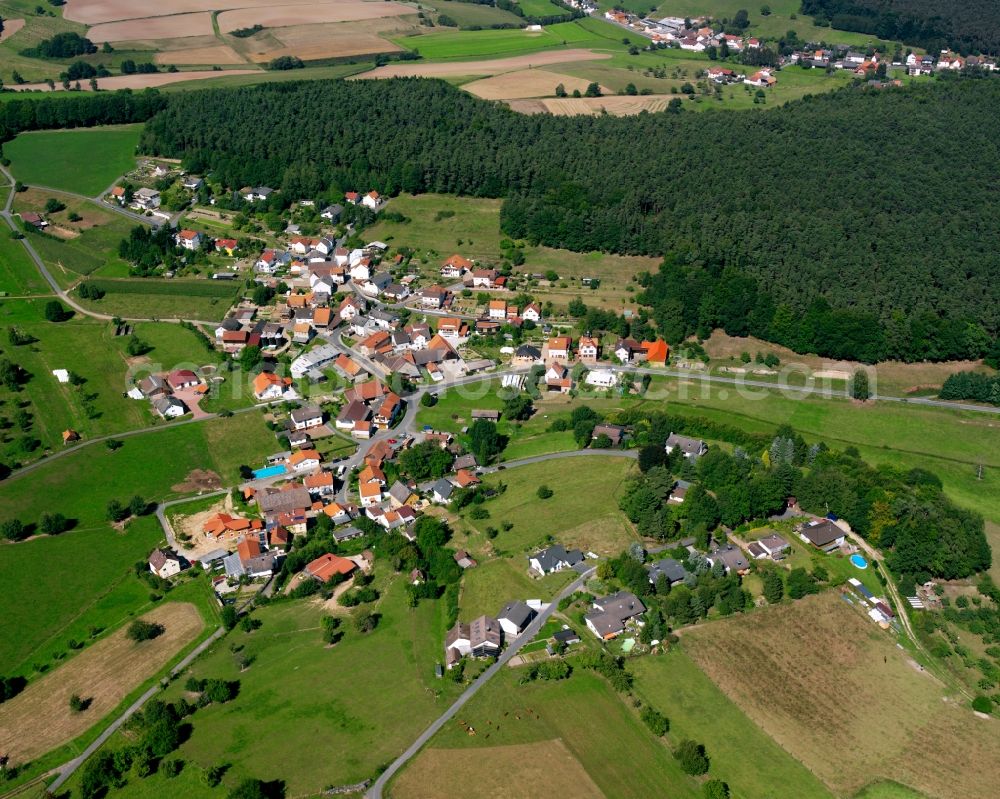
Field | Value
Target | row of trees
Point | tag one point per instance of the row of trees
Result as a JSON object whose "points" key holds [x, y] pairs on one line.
{"points": [[893, 270]]}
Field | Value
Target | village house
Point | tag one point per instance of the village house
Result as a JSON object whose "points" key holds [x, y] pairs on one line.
{"points": [[612, 613], [601, 378], [183, 378], [668, 568], [732, 559], [822, 534], [526, 355], [557, 379], [326, 566], [164, 563], [434, 297], [588, 349], [268, 386], [615, 432], [169, 407], [188, 239], [372, 200], [304, 418], [691, 447], [222, 526], [481, 637], [456, 267], [146, 199], [554, 558], [532, 312], [515, 617], [250, 560], [558, 348], [483, 279]]}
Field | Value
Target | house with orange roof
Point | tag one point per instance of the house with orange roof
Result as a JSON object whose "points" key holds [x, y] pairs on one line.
{"points": [[322, 317], [456, 267], [328, 566], [228, 246], [294, 521], [377, 342], [305, 460], [268, 386], [388, 411], [188, 239], [588, 349], [222, 526], [464, 478], [279, 538], [348, 368], [370, 493], [319, 483], [366, 392], [372, 474], [497, 309], [657, 351], [69, 436], [452, 327], [557, 348], [363, 430], [373, 200], [337, 512]]}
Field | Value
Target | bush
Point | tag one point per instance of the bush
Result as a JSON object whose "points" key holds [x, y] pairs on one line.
{"points": [[656, 721], [479, 512], [141, 630], [982, 704], [229, 617], [544, 492], [692, 757], [54, 311], [715, 789]]}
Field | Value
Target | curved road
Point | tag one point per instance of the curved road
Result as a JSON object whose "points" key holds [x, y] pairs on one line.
{"points": [[375, 791]]}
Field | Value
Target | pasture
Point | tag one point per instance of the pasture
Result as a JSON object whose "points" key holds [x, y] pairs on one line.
{"points": [[39, 719], [886, 721], [742, 754], [469, 14], [601, 732], [84, 161]]}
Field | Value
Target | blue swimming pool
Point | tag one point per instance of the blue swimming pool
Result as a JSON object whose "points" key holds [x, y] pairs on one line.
{"points": [[270, 471], [859, 561]]}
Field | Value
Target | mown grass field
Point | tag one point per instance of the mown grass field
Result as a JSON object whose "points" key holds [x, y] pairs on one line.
{"points": [[888, 721], [492, 584], [333, 714], [84, 161], [468, 14], [582, 512], [451, 45], [601, 732], [741, 753], [540, 8], [157, 298], [18, 274]]}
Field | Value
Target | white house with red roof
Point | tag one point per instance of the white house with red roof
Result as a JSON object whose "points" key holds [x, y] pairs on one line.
{"points": [[189, 239], [373, 200]]}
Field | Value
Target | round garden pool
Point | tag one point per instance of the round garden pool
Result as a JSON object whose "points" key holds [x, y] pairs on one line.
{"points": [[859, 561]]}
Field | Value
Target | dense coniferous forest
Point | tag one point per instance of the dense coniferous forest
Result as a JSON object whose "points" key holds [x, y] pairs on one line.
{"points": [[80, 111], [850, 223], [969, 26]]}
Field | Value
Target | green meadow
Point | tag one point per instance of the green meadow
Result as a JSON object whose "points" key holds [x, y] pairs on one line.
{"points": [[18, 274], [84, 161]]}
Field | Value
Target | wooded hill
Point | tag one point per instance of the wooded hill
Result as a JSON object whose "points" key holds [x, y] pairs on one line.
{"points": [[969, 26], [881, 204]]}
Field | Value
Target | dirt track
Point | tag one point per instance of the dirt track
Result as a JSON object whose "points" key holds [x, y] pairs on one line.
{"points": [[494, 66]]}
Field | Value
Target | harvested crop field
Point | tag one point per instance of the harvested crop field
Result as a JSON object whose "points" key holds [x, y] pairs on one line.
{"points": [[542, 769], [846, 688], [523, 83], [282, 15], [177, 26], [616, 105], [39, 719], [146, 81], [493, 66], [316, 42], [219, 54], [93, 12], [10, 27]]}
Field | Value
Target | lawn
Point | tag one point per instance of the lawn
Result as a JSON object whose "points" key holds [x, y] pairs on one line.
{"points": [[84, 161], [333, 714], [886, 721], [455, 45], [541, 8], [90, 349], [741, 753], [582, 511], [491, 585], [18, 274], [601, 732], [158, 298]]}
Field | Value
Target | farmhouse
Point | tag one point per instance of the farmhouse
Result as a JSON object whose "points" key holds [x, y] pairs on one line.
{"points": [[479, 638], [555, 558], [222, 525], [612, 613], [822, 534]]}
